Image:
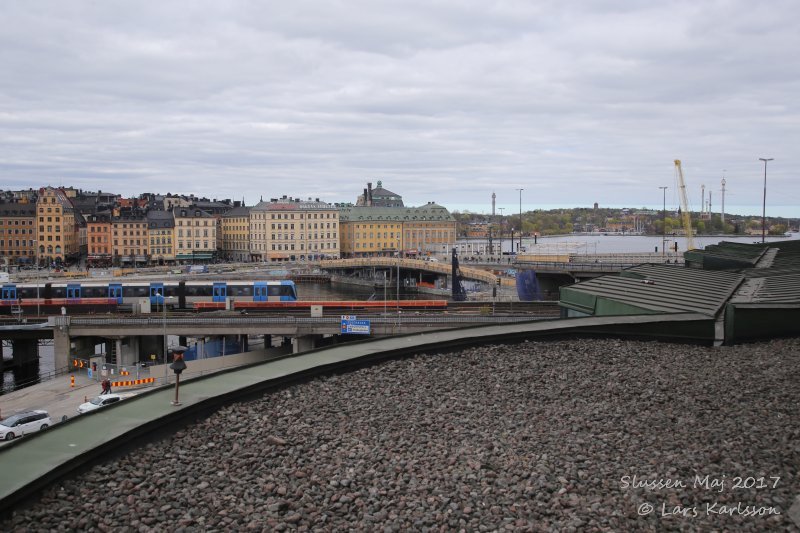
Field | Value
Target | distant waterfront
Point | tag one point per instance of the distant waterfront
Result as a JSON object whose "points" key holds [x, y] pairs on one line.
{"points": [[598, 243], [731, 210]]}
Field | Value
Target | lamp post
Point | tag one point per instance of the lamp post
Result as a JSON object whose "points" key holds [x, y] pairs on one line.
{"points": [[398, 281], [519, 247], [663, 222], [164, 323], [501, 231], [764, 201], [164, 311]]}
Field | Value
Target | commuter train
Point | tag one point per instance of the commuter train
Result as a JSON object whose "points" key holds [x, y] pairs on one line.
{"points": [[106, 296], [110, 295]]}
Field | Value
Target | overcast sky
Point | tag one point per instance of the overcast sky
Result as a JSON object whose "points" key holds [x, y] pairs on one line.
{"points": [[446, 101]]}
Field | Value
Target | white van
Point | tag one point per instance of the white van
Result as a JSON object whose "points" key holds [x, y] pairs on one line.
{"points": [[23, 423]]}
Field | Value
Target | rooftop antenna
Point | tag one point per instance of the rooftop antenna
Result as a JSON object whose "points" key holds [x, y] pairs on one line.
{"points": [[703, 199], [723, 199]]}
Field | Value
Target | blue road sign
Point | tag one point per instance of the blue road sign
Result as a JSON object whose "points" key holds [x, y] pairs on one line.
{"points": [[352, 325]]}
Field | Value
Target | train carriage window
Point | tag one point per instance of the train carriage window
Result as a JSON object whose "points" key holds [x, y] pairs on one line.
{"points": [[198, 290], [240, 290], [27, 292], [95, 291], [135, 291]]}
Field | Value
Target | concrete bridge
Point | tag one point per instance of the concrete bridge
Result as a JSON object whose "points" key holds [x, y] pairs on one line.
{"points": [[476, 267], [131, 339], [407, 266]]}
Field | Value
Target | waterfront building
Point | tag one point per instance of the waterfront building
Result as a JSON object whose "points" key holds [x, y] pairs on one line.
{"points": [[57, 227], [17, 233], [371, 231], [429, 229], [235, 234], [130, 238], [288, 229], [99, 237], [161, 234], [476, 230], [383, 231], [196, 234]]}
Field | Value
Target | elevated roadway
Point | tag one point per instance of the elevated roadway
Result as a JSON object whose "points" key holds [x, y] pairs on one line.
{"points": [[76, 336]]}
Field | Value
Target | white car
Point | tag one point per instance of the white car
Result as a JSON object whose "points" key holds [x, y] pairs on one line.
{"points": [[23, 423], [99, 401]]}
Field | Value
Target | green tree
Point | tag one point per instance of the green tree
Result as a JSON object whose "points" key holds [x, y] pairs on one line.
{"points": [[777, 229]]}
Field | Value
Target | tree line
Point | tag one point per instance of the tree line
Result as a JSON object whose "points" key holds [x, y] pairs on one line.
{"points": [[563, 221]]}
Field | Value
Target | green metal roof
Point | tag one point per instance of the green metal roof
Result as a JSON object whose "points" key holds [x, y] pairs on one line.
{"points": [[648, 289], [771, 270], [734, 255], [770, 286], [725, 256], [751, 290]]}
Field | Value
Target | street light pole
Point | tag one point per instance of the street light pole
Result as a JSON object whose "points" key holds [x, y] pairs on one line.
{"points": [[164, 323], [764, 201], [501, 230], [663, 222], [398, 281], [519, 247]]}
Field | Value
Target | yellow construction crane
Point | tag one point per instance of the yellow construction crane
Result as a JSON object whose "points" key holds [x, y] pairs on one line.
{"points": [[685, 216]]}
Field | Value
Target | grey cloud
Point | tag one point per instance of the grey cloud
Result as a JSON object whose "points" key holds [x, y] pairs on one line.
{"points": [[446, 101]]}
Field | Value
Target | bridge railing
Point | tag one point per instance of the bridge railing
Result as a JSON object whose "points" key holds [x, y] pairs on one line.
{"points": [[415, 264], [598, 266], [390, 317]]}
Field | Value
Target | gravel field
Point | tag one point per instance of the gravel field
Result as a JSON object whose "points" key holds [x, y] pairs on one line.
{"points": [[577, 435]]}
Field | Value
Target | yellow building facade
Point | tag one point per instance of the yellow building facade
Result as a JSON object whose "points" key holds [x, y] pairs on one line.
{"points": [[17, 233], [161, 236], [56, 231], [130, 240], [288, 229], [195, 234], [235, 234], [383, 231]]}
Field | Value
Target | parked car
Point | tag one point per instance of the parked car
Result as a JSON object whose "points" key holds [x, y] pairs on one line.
{"points": [[23, 423], [99, 401]]}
